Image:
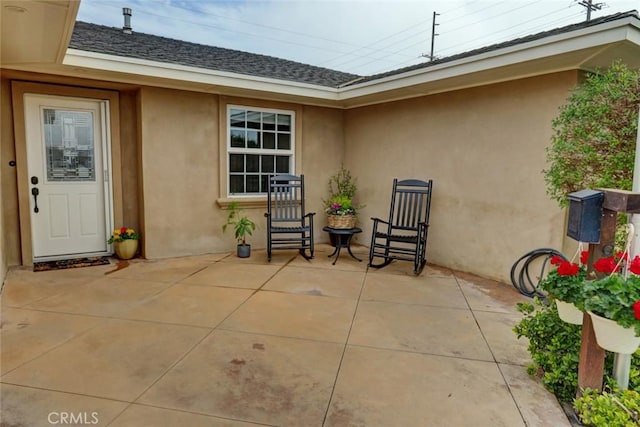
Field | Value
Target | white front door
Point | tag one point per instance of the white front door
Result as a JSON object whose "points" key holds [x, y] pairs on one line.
{"points": [[68, 176]]}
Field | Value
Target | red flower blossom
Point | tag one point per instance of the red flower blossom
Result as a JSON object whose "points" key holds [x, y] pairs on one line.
{"points": [[123, 230], [622, 255], [634, 265], [568, 269], [636, 309], [605, 265], [584, 257], [556, 260]]}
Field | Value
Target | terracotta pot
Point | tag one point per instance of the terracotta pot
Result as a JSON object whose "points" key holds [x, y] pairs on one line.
{"points": [[569, 312], [613, 337], [126, 249]]}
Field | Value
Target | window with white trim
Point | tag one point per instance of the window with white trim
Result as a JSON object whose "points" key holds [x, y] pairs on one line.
{"points": [[260, 143]]}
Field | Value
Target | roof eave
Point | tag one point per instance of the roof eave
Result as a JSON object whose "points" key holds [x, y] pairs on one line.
{"points": [[591, 41], [145, 69]]}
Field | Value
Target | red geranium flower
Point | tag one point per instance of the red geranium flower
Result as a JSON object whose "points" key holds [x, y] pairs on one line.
{"points": [[568, 269], [634, 265], [636, 309], [622, 255], [584, 257], [605, 265], [556, 260]]}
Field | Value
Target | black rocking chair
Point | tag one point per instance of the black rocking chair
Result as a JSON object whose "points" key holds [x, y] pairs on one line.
{"points": [[288, 227], [404, 236]]}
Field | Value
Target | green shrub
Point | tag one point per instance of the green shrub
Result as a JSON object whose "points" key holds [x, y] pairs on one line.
{"points": [[594, 139], [554, 346], [609, 409]]}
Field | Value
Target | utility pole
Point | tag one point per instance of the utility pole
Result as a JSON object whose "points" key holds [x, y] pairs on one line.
{"points": [[590, 7], [433, 36]]}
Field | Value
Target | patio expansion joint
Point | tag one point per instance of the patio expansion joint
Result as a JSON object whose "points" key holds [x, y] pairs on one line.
{"points": [[111, 399], [344, 348], [408, 351], [192, 412], [495, 361], [79, 335]]}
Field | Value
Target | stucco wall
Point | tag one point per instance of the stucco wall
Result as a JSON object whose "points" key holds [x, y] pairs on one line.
{"points": [[180, 171], [179, 156], [485, 149], [10, 221], [322, 155]]}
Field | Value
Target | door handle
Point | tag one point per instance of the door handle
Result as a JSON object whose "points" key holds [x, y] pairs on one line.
{"points": [[35, 192]]}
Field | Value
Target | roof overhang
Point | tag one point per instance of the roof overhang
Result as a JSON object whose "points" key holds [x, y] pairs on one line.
{"points": [[589, 48], [35, 32]]}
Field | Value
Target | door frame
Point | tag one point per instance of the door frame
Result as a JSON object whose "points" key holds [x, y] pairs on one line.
{"points": [[112, 133]]}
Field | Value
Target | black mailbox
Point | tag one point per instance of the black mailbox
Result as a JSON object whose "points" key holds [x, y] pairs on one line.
{"points": [[585, 215]]}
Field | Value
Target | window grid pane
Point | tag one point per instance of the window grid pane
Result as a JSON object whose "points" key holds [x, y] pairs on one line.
{"points": [[252, 131]]}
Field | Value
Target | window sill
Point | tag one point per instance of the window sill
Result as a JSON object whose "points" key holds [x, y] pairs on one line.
{"points": [[244, 202]]}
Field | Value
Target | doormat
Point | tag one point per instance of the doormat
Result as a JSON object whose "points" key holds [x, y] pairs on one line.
{"points": [[70, 263]]}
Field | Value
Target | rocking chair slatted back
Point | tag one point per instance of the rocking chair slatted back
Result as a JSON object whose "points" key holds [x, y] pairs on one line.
{"points": [[288, 194], [409, 204]]}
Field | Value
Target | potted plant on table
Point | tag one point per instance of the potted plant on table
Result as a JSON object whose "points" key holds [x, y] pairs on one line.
{"points": [[340, 207], [242, 227], [565, 284], [125, 242], [613, 303]]}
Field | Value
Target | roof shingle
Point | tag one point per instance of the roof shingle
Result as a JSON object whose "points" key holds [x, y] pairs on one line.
{"points": [[113, 41]]}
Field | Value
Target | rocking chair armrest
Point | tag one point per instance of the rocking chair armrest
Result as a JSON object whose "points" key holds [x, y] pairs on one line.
{"points": [[377, 220], [310, 214]]}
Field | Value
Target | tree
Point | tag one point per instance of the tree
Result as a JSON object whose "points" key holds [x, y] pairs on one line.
{"points": [[595, 133]]}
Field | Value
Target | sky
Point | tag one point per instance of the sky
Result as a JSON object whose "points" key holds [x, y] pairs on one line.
{"points": [[362, 37]]}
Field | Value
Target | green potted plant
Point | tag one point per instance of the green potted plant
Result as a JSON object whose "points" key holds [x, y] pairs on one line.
{"points": [[565, 285], [340, 207], [125, 242], [242, 226], [613, 302]]}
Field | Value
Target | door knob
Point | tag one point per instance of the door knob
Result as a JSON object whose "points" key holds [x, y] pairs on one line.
{"points": [[35, 192]]}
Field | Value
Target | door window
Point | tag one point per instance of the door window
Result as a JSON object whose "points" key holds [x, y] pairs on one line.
{"points": [[69, 145]]}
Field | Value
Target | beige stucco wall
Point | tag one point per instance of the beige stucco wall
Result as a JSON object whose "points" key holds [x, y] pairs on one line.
{"points": [[484, 148], [10, 222], [179, 158], [181, 174]]}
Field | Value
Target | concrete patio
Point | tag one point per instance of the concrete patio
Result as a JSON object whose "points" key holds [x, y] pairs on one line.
{"points": [[215, 340]]}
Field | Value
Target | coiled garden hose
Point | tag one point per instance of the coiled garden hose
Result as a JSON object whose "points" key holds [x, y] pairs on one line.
{"points": [[521, 277]]}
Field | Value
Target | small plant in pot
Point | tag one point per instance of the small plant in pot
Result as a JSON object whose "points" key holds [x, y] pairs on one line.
{"points": [[340, 207], [565, 284], [613, 302], [242, 226]]}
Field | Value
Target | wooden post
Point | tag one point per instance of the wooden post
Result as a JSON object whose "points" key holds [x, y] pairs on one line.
{"points": [[591, 367]]}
